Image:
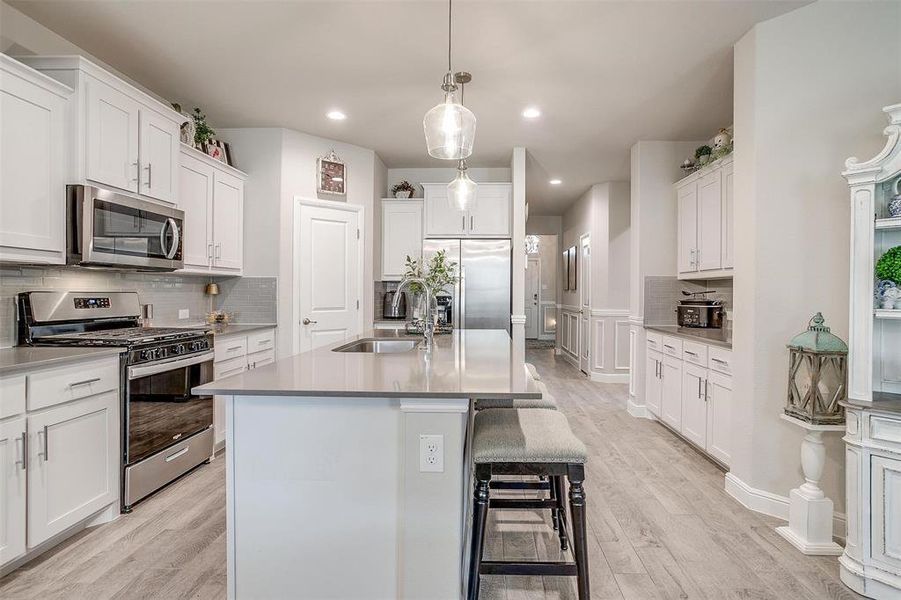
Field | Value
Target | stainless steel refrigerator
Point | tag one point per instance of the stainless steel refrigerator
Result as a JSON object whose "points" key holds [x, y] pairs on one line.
{"points": [[481, 299]]}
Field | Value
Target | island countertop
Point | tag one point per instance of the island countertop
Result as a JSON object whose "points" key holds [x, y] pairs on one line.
{"points": [[464, 364]]}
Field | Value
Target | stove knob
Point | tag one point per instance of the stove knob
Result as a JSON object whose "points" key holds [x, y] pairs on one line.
{"points": [[178, 349]]}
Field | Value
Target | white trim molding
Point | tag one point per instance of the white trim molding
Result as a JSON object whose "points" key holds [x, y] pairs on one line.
{"points": [[772, 504], [609, 377], [518, 319], [609, 312], [639, 411]]}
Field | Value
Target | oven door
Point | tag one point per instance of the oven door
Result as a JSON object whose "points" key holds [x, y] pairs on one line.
{"points": [[116, 230], [161, 410]]}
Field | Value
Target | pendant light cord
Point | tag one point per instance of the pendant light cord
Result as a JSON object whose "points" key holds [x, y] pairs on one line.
{"points": [[449, 21]]}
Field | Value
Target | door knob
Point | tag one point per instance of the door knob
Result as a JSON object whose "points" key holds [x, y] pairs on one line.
{"points": [[308, 322]]}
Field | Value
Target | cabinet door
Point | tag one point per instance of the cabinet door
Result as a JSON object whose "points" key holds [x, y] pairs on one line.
{"points": [[111, 137], [441, 220], [719, 417], [401, 236], [694, 404], [32, 171], [228, 223], [687, 227], [73, 463], [159, 156], [221, 370], [12, 492], [709, 255], [195, 197], [886, 501], [728, 218], [652, 387], [490, 215], [671, 382]]}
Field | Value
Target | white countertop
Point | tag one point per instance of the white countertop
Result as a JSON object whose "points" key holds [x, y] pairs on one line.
{"points": [[463, 364], [706, 335], [25, 358]]}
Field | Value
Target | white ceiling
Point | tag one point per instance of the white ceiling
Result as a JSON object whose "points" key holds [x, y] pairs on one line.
{"points": [[605, 74]]}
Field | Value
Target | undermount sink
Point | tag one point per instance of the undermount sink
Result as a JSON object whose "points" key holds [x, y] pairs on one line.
{"points": [[378, 346]]}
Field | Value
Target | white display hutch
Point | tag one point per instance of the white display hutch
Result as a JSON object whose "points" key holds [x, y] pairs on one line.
{"points": [[871, 563]]}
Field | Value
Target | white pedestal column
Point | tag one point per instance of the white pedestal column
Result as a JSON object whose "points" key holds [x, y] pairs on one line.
{"points": [[809, 526]]}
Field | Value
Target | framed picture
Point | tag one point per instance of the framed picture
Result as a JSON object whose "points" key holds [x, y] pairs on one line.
{"points": [[214, 150], [331, 175], [571, 273], [566, 270], [227, 150]]}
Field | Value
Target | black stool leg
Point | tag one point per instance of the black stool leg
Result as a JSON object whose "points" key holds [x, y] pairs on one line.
{"points": [[480, 499], [553, 496], [561, 511], [577, 508]]}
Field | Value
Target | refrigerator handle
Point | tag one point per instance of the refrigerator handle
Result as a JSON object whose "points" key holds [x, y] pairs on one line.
{"points": [[462, 297]]}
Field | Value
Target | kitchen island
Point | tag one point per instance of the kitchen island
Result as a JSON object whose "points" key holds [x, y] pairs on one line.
{"points": [[347, 470]]}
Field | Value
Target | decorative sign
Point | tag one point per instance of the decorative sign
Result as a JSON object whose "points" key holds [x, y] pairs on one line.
{"points": [[332, 175]]}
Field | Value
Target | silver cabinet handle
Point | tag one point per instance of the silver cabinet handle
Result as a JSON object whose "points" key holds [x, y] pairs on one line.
{"points": [[308, 322], [716, 360], [209, 251], [181, 452], [24, 440], [668, 346], [464, 222], [233, 348], [218, 250], [46, 452], [261, 342], [149, 175], [699, 388], [690, 353], [137, 166], [85, 382], [470, 223]]}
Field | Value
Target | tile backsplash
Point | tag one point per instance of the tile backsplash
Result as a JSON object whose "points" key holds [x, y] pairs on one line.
{"points": [[662, 294], [252, 299]]}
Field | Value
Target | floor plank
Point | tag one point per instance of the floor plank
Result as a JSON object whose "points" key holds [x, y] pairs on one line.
{"points": [[660, 526]]}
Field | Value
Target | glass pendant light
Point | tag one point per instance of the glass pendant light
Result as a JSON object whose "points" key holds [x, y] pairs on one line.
{"points": [[461, 192], [450, 127]]}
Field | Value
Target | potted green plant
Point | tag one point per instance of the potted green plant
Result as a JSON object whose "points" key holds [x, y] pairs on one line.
{"points": [[404, 189], [203, 133], [438, 273], [702, 154]]}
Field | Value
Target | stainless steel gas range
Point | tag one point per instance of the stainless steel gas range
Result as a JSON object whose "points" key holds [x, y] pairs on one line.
{"points": [[166, 430]]}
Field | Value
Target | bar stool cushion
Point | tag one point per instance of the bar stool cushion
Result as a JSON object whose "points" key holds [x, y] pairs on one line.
{"points": [[533, 372], [546, 402], [527, 435]]}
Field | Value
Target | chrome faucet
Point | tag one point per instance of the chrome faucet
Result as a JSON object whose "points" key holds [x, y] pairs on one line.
{"points": [[428, 326]]}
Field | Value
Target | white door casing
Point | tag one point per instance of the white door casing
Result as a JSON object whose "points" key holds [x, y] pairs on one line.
{"points": [[328, 272], [584, 285], [12, 490], [533, 297]]}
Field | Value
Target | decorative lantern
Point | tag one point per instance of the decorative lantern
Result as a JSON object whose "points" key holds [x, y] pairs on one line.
{"points": [[818, 375]]}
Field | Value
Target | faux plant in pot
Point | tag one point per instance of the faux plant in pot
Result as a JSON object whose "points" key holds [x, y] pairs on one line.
{"points": [[702, 154], [438, 272], [888, 267], [203, 133], [404, 189]]}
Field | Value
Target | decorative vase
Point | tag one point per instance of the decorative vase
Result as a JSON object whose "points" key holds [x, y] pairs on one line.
{"points": [[894, 205], [703, 159], [402, 194], [722, 140]]}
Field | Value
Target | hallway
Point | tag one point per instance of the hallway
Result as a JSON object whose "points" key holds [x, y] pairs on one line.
{"points": [[661, 528]]}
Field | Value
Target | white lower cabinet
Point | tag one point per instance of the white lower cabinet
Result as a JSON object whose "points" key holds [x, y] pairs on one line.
{"points": [[719, 416], [886, 481], [73, 459], [694, 404], [12, 492], [653, 386], [671, 398]]}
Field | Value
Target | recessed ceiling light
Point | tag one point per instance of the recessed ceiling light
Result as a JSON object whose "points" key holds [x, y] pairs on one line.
{"points": [[531, 112], [336, 115], [555, 181]]}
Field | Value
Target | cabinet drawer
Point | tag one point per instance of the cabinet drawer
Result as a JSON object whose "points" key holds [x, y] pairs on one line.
{"points": [[230, 347], [260, 340], [259, 359], [672, 346], [80, 380], [720, 360], [694, 353], [885, 429], [230, 367], [654, 341], [12, 395]]}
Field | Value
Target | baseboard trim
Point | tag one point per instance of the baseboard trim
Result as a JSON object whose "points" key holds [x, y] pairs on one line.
{"points": [[639, 411], [609, 377], [558, 351], [771, 504]]}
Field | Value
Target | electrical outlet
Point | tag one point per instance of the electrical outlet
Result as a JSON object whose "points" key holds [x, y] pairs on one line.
{"points": [[431, 454], [184, 313]]}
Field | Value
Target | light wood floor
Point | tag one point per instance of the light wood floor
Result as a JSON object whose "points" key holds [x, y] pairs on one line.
{"points": [[661, 526]]}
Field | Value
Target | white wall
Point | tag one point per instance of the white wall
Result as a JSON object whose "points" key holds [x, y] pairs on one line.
{"points": [[518, 312], [418, 176], [809, 88]]}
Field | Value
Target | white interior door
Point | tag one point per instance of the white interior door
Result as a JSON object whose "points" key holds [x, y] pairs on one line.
{"points": [[584, 285], [328, 273], [533, 298]]}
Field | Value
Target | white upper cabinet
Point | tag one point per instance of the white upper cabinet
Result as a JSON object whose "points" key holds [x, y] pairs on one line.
{"points": [[212, 196], [401, 236], [490, 216], [705, 222], [121, 136], [111, 137], [33, 147]]}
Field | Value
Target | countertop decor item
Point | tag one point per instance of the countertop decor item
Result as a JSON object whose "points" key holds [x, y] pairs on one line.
{"points": [[702, 154], [817, 375], [203, 133], [889, 265], [219, 317], [187, 129], [723, 140], [332, 175], [687, 165], [894, 204], [450, 127], [403, 190]]}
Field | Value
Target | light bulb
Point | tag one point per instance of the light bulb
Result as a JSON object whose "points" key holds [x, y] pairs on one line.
{"points": [[462, 191]]}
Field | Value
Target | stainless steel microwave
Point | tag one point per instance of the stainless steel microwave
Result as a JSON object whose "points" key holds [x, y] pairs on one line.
{"points": [[106, 229]]}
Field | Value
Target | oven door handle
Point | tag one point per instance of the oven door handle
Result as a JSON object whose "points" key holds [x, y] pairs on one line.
{"points": [[169, 365]]}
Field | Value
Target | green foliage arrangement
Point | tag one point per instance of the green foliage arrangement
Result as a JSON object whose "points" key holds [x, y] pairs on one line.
{"points": [[202, 130], [438, 273], [403, 186], [889, 265], [704, 150]]}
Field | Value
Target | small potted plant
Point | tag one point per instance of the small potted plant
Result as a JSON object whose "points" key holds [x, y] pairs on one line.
{"points": [[438, 273], [404, 189], [203, 133], [888, 268], [702, 154]]}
